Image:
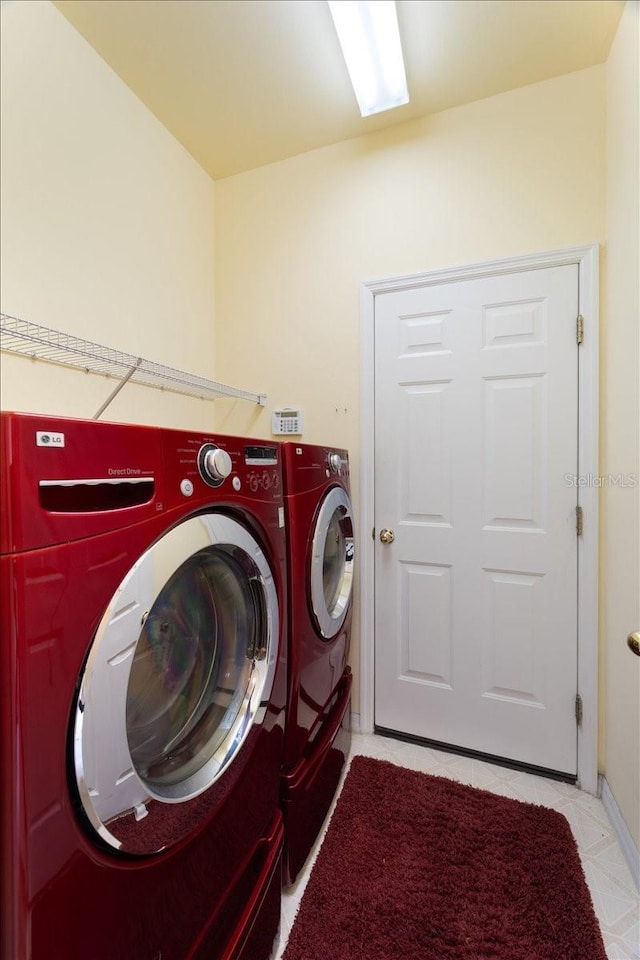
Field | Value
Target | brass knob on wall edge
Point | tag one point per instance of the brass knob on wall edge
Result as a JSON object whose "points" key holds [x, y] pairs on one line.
{"points": [[633, 642]]}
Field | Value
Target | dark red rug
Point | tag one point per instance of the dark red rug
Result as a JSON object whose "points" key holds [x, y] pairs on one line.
{"points": [[415, 867]]}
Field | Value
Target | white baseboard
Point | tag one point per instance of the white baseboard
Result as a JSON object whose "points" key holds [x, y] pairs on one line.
{"points": [[355, 723], [627, 845]]}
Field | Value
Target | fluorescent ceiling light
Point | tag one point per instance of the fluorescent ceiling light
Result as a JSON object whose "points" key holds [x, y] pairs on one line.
{"points": [[370, 41]]}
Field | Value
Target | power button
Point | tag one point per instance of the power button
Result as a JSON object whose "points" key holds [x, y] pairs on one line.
{"points": [[186, 488]]}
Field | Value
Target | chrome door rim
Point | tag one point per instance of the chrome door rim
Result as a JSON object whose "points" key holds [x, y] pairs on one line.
{"points": [[328, 621]]}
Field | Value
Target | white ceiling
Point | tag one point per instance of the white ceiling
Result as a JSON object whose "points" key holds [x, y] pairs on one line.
{"points": [[243, 83]]}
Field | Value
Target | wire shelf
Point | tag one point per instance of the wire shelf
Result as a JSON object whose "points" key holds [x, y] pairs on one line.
{"points": [[43, 343]]}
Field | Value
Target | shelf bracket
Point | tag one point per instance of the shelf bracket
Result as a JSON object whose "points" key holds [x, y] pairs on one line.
{"points": [[117, 389]]}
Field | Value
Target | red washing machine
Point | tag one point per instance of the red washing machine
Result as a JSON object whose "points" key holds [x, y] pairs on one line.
{"points": [[320, 555], [142, 692]]}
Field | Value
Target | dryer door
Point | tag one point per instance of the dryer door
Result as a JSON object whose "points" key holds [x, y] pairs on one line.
{"points": [[180, 669], [331, 571]]}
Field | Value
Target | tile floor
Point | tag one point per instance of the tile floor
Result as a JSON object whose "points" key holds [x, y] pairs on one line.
{"points": [[613, 891]]}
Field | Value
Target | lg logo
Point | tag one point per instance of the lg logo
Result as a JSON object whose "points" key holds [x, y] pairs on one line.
{"points": [[49, 439]]}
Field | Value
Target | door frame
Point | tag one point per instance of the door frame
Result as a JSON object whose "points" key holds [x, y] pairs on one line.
{"points": [[586, 258]]}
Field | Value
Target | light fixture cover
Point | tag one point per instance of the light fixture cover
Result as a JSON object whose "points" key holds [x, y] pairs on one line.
{"points": [[370, 40]]}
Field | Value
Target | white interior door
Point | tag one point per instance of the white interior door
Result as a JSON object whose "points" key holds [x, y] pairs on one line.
{"points": [[476, 445]]}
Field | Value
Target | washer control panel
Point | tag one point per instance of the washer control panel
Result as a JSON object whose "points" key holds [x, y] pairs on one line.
{"points": [[263, 480], [197, 463], [261, 460]]}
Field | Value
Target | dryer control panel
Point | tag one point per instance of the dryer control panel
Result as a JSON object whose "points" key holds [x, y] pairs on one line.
{"points": [[310, 467]]}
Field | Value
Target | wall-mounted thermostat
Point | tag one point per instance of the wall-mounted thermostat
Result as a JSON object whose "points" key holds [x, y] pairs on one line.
{"points": [[287, 421]]}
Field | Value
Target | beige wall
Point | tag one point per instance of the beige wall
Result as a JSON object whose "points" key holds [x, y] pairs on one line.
{"points": [[519, 172], [620, 437], [107, 225]]}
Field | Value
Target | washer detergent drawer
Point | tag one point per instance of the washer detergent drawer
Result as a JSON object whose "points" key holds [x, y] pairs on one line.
{"points": [[64, 480]]}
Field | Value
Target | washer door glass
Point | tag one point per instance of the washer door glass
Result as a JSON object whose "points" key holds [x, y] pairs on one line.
{"points": [[332, 556], [192, 667], [181, 667]]}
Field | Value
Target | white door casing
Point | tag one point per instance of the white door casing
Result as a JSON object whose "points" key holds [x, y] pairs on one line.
{"points": [[510, 565]]}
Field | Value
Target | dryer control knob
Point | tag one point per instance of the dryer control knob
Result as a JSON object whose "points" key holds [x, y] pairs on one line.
{"points": [[335, 462], [215, 464]]}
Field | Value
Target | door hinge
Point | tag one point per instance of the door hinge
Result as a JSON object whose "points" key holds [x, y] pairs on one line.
{"points": [[580, 328], [579, 521], [373, 534], [578, 709]]}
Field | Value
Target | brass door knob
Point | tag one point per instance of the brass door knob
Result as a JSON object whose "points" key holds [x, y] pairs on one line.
{"points": [[633, 642], [387, 536]]}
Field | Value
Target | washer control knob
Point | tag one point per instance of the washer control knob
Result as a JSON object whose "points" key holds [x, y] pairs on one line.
{"points": [[214, 464], [335, 462], [186, 487], [217, 464]]}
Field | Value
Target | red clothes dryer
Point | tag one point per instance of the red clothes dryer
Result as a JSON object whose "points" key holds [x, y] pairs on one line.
{"points": [[142, 692], [320, 555]]}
